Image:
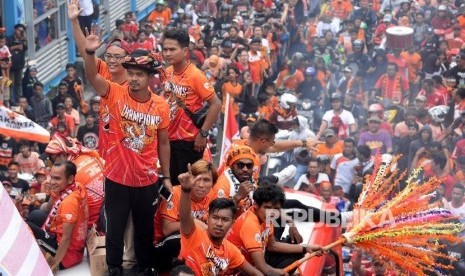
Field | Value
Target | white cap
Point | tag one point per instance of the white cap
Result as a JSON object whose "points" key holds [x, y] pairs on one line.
{"points": [[442, 8]]}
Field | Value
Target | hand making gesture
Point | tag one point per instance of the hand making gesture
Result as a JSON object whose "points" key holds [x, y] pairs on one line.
{"points": [[73, 9], [93, 38]]}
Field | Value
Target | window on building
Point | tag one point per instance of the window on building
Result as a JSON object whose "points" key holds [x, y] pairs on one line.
{"points": [[49, 21]]}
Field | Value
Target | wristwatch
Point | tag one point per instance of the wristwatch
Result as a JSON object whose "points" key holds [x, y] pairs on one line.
{"points": [[204, 133], [304, 248]]}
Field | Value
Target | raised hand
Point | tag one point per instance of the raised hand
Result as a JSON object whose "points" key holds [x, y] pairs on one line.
{"points": [[73, 9], [186, 179], [312, 142], [93, 38], [244, 189]]}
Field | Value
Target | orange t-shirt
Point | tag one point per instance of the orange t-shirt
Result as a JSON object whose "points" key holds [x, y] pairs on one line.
{"points": [[290, 82], [225, 187], [249, 235], [257, 64], [132, 149], [322, 149], [414, 65], [73, 210], [157, 16], [104, 121], [69, 122], [192, 88], [206, 259], [234, 92], [342, 9], [170, 211]]}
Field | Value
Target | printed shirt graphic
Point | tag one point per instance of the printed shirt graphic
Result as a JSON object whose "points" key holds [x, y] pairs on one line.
{"points": [[72, 210], [249, 235], [132, 147], [170, 211], [192, 88], [202, 256]]}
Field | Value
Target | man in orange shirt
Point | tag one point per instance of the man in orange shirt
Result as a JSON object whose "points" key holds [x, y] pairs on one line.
{"points": [[166, 220], [414, 66], [236, 182], [63, 235], [207, 251], [257, 61], [253, 234], [65, 118], [139, 126], [331, 147], [160, 14], [186, 88]]}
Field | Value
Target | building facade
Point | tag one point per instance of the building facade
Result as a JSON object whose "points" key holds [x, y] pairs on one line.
{"points": [[51, 44]]}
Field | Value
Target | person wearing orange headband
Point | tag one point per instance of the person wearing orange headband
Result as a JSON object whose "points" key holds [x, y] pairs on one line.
{"points": [[237, 181]]}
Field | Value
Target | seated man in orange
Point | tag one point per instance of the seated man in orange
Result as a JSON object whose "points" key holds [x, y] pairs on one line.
{"points": [[206, 251], [253, 234], [63, 235], [166, 220], [236, 182]]}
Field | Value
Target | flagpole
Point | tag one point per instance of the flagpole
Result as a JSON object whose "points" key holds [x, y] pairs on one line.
{"points": [[226, 113]]}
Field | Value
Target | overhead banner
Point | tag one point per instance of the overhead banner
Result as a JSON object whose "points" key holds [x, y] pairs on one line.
{"points": [[18, 126]]}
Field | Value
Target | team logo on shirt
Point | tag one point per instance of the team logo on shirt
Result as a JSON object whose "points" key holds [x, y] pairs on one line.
{"points": [[170, 205], [105, 116], [69, 216], [215, 265], [138, 128]]}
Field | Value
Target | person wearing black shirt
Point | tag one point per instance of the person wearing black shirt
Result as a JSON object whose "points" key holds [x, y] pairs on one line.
{"points": [[88, 133], [234, 38], [72, 80], [310, 88], [458, 72], [19, 186], [30, 78], [60, 97], [223, 23], [18, 47]]}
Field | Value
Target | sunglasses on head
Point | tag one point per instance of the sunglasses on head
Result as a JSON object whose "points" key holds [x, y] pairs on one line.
{"points": [[241, 165]]}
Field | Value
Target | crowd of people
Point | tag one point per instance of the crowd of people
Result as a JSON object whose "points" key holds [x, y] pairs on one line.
{"points": [[321, 71]]}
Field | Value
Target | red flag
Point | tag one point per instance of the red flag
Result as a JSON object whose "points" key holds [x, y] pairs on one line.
{"points": [[230, 130]]}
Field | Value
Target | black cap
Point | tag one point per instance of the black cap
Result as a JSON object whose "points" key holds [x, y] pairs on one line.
{"points": [[60, 106]]}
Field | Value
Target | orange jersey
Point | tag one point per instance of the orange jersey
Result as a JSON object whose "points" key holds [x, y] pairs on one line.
{"points": [[104, 121], [290, 81], [170, 211], [249, 235], [73, 210], [240, 142], [163, 17], [227, 186], [90, 174], [322, 149], [414, 65], [206, 259], [132, 149], [192, 88], [234, 92], [257, 65]]}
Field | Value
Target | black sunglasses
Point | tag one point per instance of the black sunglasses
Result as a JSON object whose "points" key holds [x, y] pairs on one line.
{"points": [[241, 165]]}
